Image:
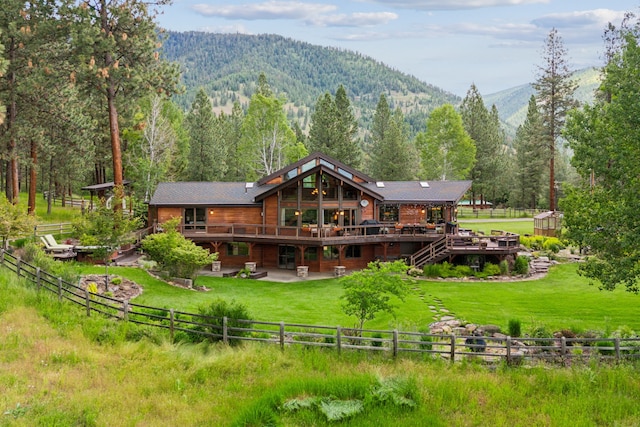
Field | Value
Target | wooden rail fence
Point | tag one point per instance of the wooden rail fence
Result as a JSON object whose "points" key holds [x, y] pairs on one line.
{"points": [[559, 350]]}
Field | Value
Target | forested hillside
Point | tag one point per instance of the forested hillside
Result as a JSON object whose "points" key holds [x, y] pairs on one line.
{"points": [[512, 103], [227, 66]]}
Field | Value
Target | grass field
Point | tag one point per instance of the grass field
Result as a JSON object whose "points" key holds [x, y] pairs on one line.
{"points": [[61, 368], [561, 300]]}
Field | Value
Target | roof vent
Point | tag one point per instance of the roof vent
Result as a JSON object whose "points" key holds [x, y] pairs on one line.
{"points": [[424, 184], [380, 184]]}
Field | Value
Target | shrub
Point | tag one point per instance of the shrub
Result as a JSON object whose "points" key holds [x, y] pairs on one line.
{"points": [[116, 281], [414, 272], [211, 321], [431, 270], [521, 265], [552, 244], [426, 342], [488, 271], [377, 336], [504, 267], [515, 328], [173, 252]]}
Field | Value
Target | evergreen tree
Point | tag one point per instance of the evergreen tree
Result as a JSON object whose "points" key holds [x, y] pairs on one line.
{"points": [[334, 129], [396, 158], [206, 154], [529, 144], [554, 92], [447, 151], [484, 128], [115, 44]]}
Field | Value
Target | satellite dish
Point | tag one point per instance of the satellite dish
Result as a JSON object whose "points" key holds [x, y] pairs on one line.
{"points": [[364, 203]]}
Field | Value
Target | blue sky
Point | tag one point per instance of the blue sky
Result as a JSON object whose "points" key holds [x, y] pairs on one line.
{"points": [[496, 44]]}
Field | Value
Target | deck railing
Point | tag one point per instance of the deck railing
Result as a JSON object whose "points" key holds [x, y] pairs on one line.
{"points": [[559, 350]]}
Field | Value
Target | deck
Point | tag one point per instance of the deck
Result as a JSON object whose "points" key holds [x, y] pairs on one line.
{"points": [[457, 242]]}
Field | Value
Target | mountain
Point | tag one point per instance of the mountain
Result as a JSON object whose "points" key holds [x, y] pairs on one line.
{"points": [[512, 103], [227, 66]]}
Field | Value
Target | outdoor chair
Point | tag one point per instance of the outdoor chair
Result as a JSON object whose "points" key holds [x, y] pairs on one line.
{"points": [[51, 245]]}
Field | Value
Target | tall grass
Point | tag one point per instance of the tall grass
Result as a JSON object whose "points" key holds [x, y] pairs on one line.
{"points": [[60, 367]]}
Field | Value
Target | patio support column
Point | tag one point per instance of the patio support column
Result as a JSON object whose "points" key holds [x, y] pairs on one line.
{"points": [[216, 246], [301, 249], [385, 245], [340, 253], [251, 245]]}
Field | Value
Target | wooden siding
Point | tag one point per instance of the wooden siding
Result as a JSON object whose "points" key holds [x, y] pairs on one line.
{"points": [[166, 213], [235, 215], [271, 210]]}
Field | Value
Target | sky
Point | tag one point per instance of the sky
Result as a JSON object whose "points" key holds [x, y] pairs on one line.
{"points": [[452, 44]]}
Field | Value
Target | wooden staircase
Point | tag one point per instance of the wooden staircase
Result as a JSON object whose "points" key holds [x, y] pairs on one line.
{"points": [[434, 252]]}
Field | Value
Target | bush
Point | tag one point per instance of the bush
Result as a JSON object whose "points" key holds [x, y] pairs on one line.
{"points": [[504, 267], [488, 271], [521, 265], [173, 252], [515, 328], [552, 244], [431, 270], [213, 314]]}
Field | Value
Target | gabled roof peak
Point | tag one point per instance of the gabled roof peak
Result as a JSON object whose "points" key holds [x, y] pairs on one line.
{"points": [[312, 160]]}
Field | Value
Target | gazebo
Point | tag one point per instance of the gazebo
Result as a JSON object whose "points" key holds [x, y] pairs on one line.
{"points": [[547, 224], [100, 190]]}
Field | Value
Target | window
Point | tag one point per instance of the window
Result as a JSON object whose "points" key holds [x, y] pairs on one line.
{"points": [[237, 249], [311, 254], [309, 216], [389, 213], [195, 218], [330, 252], [289, 217], [352, 251], [290, 193]]}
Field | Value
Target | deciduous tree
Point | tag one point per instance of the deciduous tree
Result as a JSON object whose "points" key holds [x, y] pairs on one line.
{"points": [[447, 150], [602, 214], [266, 135], [369, 291]]}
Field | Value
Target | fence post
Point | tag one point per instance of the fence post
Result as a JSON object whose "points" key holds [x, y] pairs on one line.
{"points": [[18, 265], [1, 256], [508, 350], [281, 335], [395, 343], [38, 279], [87, 300], [225, 337], [339, 338], [171, 317], [59, 288], [453, 348], [125, 310], [563, 349], [617, 344]]}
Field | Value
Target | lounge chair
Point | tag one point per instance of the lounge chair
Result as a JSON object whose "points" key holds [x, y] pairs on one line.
{"points": [[50, 244]]}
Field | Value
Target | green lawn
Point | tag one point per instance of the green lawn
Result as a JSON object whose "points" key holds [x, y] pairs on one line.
{"points": [[513, 226], [562, 300]]}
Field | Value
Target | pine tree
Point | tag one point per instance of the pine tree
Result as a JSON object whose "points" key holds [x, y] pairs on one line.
{"points": [[334, 129], [554, 92], [206, 158], [484, 128], [115, 44], [529, 144]]}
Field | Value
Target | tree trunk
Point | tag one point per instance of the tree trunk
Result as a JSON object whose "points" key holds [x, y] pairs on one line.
{"points": [[33, 174], [13, 188]]}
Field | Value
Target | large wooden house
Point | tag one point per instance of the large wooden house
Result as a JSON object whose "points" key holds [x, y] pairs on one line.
{"points": [[320, 213]]}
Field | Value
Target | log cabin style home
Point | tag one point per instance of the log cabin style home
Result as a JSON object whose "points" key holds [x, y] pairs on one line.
{"points": [[322, 214]]}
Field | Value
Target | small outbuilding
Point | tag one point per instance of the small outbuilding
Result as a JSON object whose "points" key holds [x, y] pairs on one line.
{"points": [[547, 224]]}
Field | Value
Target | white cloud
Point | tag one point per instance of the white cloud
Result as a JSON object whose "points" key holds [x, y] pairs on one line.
{"points": [[265, 10], [354, 19], [453, 4], [597, 18]]}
